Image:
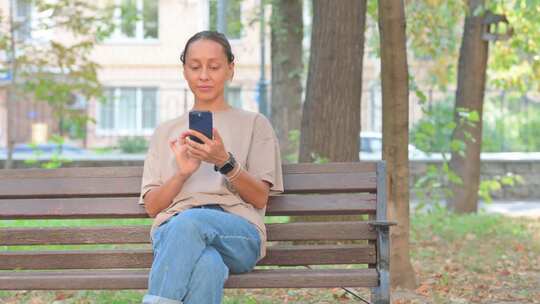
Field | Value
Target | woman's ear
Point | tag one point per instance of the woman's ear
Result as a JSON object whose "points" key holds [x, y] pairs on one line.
{"points": [[231, 67]]}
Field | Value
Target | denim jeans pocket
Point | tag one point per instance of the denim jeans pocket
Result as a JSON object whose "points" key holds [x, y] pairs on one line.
{"points": [[164, 222], [167, 220]]}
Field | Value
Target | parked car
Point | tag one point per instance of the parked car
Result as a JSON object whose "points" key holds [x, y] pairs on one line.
{"points": [[371, 147]]}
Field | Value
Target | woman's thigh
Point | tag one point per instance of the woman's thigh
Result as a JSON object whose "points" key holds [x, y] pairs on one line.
{"points": [[235, 238]]}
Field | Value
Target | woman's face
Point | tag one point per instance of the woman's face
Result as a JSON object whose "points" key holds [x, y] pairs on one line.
{"points": [[206, 69]]}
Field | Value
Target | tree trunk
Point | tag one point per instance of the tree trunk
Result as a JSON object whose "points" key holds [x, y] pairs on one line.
{"points": [[331, 115], [473, 57], [287, 67], [395, 103]]}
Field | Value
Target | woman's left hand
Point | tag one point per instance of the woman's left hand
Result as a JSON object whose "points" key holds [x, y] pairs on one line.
{"points": [[211, 150]]}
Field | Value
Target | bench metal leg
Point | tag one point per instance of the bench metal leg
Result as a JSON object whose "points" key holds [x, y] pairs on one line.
{"points": [[381, 294]]}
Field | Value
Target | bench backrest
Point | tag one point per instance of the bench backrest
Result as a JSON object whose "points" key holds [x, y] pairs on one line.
{"points": [[98, 193]]}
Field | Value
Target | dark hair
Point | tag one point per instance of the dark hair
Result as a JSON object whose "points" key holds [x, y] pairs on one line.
{"points": [[210, 35]]}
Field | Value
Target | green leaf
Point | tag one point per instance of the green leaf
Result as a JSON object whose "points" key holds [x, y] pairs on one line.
{"points": [[473, 116]]}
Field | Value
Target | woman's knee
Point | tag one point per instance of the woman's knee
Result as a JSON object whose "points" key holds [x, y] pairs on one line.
{"points": [[242, 266]]}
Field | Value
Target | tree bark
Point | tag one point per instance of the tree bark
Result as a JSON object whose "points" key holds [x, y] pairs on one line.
{"points": [[287, 67], [331, 114], [472, 65], [395, 103]]}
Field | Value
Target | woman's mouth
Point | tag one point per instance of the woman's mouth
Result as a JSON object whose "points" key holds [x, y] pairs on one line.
{"points": [[204, 88]]}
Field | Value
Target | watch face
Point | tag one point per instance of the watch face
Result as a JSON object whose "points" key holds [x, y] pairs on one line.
{"points": [[227, 168], [228, 165]]}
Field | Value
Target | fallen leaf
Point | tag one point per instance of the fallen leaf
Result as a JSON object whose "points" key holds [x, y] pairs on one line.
{"points": [[519, 248], [423, 289]]}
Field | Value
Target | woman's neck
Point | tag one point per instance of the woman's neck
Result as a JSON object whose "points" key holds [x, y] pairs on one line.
{"points": [[212, 106]]}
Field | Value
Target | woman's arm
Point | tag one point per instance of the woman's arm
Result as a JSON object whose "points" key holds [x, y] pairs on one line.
{"points": [[250, 188], [161, 197]]}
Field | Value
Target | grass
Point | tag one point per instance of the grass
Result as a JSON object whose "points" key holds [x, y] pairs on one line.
{"points": [[451, 226], [478, 258]]}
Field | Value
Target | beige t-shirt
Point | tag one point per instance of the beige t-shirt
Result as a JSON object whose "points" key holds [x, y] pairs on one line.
{"points": [[249, 136]]}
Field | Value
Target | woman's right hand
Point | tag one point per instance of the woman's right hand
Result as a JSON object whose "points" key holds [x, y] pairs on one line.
{"points": [[186, 164]]}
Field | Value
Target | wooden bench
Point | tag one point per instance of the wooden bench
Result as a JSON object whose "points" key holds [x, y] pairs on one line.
{"points": [[112, 192]]}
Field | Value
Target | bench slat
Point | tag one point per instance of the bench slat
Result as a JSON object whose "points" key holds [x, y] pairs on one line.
{"points": [[140, 234], [69, 187], [142, 258], [100, 182], [124, 171], [322, 204], [136, 171], [138, 279], [127, 207], [130, 186]]}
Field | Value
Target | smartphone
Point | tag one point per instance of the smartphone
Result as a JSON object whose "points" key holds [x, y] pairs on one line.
{"points": [[201, 121]]}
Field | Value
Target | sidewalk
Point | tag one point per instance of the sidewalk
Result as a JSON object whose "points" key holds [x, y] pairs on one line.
{"points": [[529, 209]]}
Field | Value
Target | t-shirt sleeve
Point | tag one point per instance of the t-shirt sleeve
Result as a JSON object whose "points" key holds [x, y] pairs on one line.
{"points": [[151, 175], [264, 159]]}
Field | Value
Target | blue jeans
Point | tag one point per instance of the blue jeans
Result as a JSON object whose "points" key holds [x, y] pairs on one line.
{"points": [[194, 252]]}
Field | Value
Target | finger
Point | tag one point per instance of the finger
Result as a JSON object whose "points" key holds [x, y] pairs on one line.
{"points": [[196, 151], [196, 155], [176, 149], [195, 146], [199, 135], [181, 140]]}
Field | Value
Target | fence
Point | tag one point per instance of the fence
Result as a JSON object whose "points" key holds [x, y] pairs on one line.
{"points": [[136, 111]]}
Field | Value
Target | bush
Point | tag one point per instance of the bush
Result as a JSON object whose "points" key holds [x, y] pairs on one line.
{"points": [[433, 131], [134, 144]]}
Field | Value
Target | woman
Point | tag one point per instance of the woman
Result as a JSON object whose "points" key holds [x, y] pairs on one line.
{"points": [[208, 223]]}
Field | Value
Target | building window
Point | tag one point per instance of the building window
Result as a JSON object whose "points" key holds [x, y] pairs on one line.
{"points": [[23, 20], [136, 20], [127, 111], [233, 17]]}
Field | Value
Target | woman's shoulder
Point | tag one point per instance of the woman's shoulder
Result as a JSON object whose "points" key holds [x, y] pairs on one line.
{"points": [[234, 113], [258, 123], [245, 117], [257, 117]]}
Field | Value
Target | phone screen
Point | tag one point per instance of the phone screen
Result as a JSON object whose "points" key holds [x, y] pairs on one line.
{"points": [[201, 121]]}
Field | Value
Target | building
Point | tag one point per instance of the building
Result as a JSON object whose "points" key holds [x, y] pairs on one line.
{"points": [[141, 69], [142, 74]]}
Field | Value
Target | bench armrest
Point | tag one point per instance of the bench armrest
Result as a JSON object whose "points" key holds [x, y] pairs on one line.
{"points": [[382, 224]]}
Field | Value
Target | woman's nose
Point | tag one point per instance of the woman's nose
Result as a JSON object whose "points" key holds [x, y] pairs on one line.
{"points": [[204, 74]]}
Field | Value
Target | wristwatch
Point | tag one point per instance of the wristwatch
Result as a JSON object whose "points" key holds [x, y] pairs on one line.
{"points": [[228, 166]]}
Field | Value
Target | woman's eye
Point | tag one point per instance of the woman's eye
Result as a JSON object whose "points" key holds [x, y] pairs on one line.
{"points": [[214, 67], [194, 67]]}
